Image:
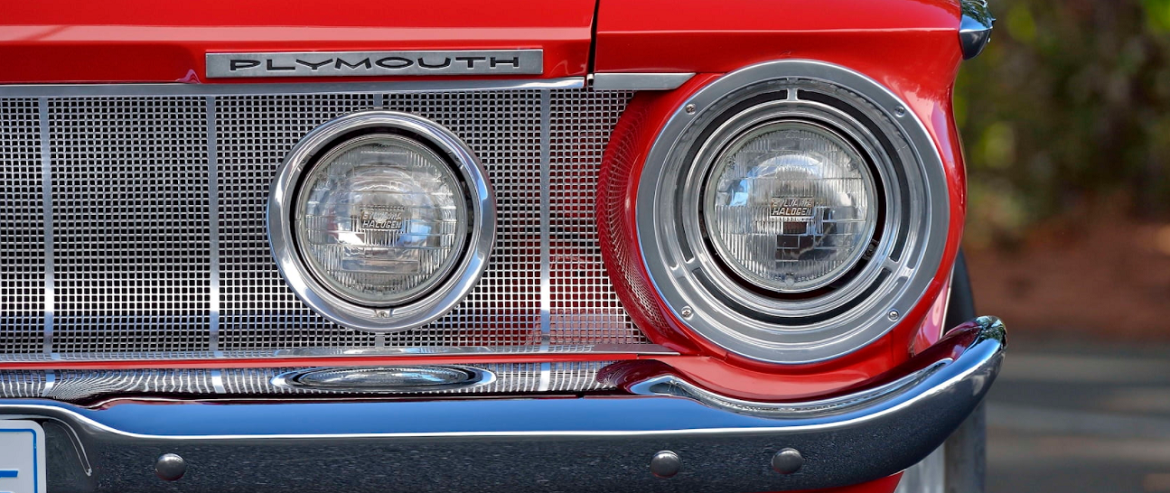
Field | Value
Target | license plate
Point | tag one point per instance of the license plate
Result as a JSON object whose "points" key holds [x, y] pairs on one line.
{"points": [[22, 457]]}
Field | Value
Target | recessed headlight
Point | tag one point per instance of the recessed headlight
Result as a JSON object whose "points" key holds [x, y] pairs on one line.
{"points": [[381, 220]]}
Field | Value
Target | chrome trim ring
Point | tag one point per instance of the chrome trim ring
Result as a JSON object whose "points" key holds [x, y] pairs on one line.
{"points": [[865, 305], [793, 108], [440, 300]]}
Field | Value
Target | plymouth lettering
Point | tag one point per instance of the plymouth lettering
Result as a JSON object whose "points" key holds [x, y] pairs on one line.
{"points": [[326, 64]]}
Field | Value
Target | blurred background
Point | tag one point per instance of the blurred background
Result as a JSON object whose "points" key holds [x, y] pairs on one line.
{"points": [[1066, 121]]}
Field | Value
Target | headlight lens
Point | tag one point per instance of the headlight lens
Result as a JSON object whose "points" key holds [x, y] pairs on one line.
{"points": [[790, 206], [381, 220]]}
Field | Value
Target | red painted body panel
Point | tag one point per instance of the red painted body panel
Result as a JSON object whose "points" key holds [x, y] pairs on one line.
{"points": [[884, 485], [704, 36], [149, 41]]}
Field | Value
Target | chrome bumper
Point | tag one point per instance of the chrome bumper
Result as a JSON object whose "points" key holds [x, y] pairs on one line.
{"points": [[513, 445]]}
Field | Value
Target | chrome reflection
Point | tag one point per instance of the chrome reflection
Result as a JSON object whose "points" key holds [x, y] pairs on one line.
{"points": [[975, 28], [900, 428], [387, 379], [670, 385], [976, 368]]}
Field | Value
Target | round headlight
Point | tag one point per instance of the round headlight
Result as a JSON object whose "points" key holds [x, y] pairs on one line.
{"points": [[381, 220], [790, 212], [790, 206]]}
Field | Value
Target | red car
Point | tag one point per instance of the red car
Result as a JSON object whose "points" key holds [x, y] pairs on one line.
{"points": [[487, 246]]}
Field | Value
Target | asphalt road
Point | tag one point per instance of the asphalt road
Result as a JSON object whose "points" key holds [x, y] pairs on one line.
{"points": [[1080, 417]]}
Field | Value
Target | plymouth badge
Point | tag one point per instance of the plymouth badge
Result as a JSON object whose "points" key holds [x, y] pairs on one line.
{"points": [[374, 63]]}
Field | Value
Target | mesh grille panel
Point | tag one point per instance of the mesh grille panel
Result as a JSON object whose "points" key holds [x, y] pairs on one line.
{"points": [[253, 133], [135, 182], [503, 129], [584, 305], [22, 228], [132, 224]]}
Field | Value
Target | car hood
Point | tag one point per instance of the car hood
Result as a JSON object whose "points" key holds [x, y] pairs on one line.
{"points": [[151, 41]]}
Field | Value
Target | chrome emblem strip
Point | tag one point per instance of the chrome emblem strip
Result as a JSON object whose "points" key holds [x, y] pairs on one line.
{"points": [[374, 63]]}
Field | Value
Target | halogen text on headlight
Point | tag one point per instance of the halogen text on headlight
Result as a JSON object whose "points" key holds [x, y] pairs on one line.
{"points": [[381, 219], [790, 206]]}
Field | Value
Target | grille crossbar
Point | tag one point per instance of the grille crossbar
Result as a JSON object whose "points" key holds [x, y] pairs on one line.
{"points": [[133, 226]]}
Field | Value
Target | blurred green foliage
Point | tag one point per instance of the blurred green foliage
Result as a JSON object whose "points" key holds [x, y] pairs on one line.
{"points": [[1068, 107]]}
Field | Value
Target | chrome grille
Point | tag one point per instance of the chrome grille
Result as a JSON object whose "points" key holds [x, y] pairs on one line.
{"points": [[22, 228], [504, 131], [584, 305], [159, 242], [253, 133], [131, 225]]}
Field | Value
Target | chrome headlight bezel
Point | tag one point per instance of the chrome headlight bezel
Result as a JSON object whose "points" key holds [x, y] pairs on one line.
{"points": [[439, 300], [891, 277]]}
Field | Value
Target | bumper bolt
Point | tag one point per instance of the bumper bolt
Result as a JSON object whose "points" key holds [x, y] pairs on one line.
{"points": [[665, 464], [170, 467], [787, 461]]}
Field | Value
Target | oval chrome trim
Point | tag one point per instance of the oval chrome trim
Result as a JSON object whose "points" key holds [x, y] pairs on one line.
{"points": [[443, 298], [417, 379]]}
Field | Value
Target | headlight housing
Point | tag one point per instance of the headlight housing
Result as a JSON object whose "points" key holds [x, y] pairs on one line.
{"points": [[381, 221], [791, 212]]}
